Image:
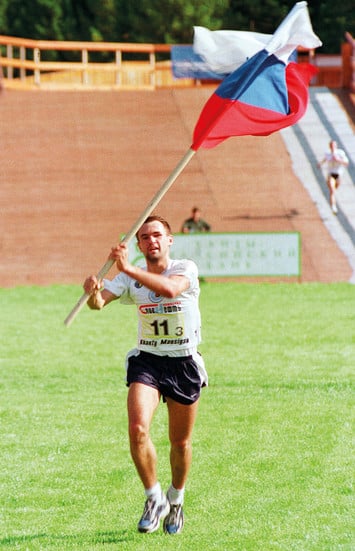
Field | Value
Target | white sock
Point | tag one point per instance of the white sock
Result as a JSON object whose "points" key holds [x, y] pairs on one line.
{"points": [[176, 497], [154, 492]]}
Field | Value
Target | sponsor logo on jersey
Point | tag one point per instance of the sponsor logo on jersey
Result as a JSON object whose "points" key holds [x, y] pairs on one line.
{"points": [[169, 308], [153, 297], [174, 341], [146, 342], [155, 342]]}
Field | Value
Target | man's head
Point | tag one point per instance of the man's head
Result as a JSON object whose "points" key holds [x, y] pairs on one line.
{"points": [[333, 145], [196, 213], [154, 238], [155, 218]]}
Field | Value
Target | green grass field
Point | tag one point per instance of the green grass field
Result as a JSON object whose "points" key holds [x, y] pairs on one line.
{"points": [[273, 444]]}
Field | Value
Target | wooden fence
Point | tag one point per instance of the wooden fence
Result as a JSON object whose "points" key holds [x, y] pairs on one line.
{"points": [[27, 63]]}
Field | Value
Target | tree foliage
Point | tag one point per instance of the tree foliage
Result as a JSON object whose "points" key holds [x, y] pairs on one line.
{"points": [[254, 15], [168, 21], [165, 21]]}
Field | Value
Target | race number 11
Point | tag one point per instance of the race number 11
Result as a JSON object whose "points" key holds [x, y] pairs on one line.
{"points": [[162, 328]]}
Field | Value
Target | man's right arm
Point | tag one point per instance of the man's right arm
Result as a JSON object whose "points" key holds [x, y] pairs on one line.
{"points": [[99, 297]]}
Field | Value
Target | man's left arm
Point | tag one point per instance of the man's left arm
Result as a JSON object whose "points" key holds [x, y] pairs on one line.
{"points": [[341, 158], [167, 286]]}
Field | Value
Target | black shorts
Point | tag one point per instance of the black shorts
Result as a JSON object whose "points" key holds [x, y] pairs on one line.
{"points": [[177, 378]]}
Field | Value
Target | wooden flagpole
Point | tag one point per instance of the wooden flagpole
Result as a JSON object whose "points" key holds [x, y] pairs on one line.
{"points": [[147, 211]]}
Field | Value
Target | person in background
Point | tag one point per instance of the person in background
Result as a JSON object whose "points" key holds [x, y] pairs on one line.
{"points": [[195, 224], [336, 160]]}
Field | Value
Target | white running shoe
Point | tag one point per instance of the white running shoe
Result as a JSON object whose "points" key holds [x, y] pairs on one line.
{"points": [[153, 512], [174, 522]]}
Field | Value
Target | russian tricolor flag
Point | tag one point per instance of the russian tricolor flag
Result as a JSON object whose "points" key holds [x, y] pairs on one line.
{"points": [[266, 93]]}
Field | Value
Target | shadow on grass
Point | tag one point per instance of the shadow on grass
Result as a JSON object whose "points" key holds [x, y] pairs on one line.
{"points": [[65, 540]]}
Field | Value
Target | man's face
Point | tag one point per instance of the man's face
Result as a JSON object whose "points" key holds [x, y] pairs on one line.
{"points": [[154, 241], [196, 215]]}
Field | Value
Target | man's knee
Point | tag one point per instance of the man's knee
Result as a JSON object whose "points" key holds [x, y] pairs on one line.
{"points": [[138, 434], [181, 446]]}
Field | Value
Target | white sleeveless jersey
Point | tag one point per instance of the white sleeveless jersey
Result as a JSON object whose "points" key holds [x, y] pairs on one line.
{"points": [[166, 326], [333, 166]]}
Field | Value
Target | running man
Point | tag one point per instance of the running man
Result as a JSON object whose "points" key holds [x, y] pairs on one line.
{"points": [[336, 160], [165, 363]]}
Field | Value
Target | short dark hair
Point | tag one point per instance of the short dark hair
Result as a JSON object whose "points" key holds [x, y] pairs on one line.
{"points": [[156, 218]]}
